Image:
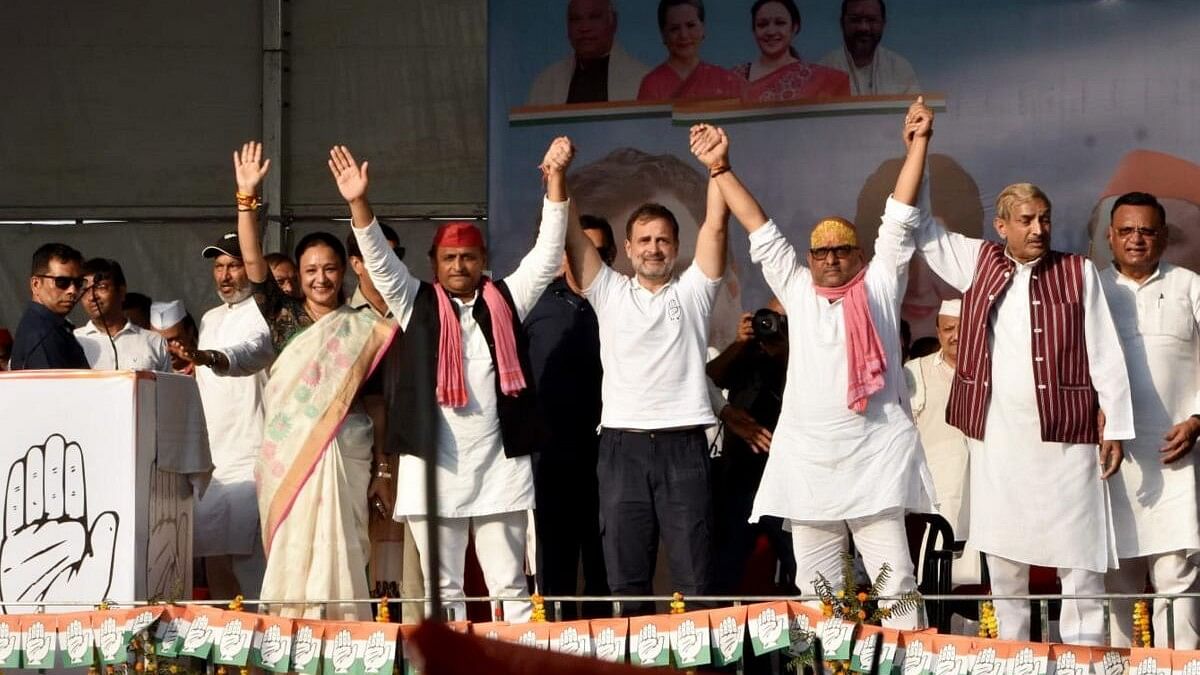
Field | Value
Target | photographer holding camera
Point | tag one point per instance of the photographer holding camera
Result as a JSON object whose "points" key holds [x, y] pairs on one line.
{"points": [[753, 370]]}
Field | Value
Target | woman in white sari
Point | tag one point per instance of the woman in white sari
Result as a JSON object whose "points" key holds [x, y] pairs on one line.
{"points": [[322, 457]]}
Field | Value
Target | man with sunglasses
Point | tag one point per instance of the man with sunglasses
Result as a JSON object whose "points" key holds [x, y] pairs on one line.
{"points": [[844, 457], [44, 336]]}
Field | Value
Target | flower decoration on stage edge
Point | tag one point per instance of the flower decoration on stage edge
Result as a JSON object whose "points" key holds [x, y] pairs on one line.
{"points": [[538, 615], [677, 604], [989, 627], [1142, 636], [850, 603], [383, 615]]}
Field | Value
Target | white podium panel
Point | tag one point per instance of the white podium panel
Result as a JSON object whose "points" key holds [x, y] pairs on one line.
{"points": [[97, 499]]}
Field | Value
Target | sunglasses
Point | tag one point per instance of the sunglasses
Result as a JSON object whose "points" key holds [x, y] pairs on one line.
{"points": [[839, 252], [63, 283]]}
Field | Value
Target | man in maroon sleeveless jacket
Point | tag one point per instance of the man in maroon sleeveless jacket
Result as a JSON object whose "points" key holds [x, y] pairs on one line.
{"points": [[1039, 366]]}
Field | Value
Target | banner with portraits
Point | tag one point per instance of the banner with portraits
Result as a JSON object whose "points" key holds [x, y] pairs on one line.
{"points": [[1087, 99]]}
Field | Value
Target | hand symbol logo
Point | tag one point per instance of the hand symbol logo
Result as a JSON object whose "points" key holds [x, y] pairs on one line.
{"points": [[306, 647], [689, 640], [343, 652], [198, 635], [1114, 663], [110, 639], [650, 644], [528, 639], [834, 633], [947, 661], [231, 639], [8, 641], [1148, 666], [985, 663], [607, 648], [37, 643], [141, 622], [76, 641], [271, 649], [866, 656], [1192, 667], [376, 652], [1024, 663], [914, 658], [770, 627], [51, 549], [728, 637], [568, 642]]}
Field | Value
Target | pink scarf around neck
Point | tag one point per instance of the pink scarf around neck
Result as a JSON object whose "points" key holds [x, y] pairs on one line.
{"points": [[865, 358], [451, 383]]}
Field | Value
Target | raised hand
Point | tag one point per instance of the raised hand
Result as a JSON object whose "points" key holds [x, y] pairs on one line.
{"points": [[249, 167], [607, 648], [307, 648], [272, 648], [771, 626], [558, 156], [109, 638], [51, 549], [351, 178], [688, 640], [710, 145], [376, 653], [918, 122], [37, 643], [650, 644], [343, 652], [231, 639]]}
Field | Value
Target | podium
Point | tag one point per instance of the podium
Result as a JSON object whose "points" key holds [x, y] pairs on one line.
{"points": [[98, 469]]}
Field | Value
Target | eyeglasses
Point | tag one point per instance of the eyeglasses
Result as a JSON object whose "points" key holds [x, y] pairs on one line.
{"points": [[63, 283], [839, 252], [1147, 232]]}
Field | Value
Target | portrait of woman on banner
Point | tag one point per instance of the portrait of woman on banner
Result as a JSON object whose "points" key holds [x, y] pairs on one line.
{"points": [[683, 75], [321, 457], [779, 74]]}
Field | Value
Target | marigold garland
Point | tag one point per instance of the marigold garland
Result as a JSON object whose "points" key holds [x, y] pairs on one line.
{"points": [[677, 603], [989, 627], [538, 615], [1141, 624]]}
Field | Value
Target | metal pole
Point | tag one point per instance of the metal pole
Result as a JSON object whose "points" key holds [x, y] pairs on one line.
{"points": [[274, 55], [433, 574]]}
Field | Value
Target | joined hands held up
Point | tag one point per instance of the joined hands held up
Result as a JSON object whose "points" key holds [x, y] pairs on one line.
{"points": [[710, 145], [558, 157], [918, 123]]}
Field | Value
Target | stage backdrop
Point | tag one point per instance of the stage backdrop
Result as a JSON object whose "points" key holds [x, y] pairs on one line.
{"points": [[1087, 98]]}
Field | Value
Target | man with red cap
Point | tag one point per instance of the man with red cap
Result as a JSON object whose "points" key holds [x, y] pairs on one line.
{"points": [[466, 399], [845, 458]]}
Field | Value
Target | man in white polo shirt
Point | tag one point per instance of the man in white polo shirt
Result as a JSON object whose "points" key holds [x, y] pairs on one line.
{"points": [[109, 340], [653, 460]]}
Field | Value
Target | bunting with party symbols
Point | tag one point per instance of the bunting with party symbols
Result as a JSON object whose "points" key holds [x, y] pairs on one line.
{"points": [[39, 635], [650, 641], [271, 646], [728, 628], [76, 645]]}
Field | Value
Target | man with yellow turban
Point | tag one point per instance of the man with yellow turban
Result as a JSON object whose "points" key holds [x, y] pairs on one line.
{"points": [[846, 463]]}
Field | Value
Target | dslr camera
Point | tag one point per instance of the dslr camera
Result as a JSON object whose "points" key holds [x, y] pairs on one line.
{"points": [[769, 325]]}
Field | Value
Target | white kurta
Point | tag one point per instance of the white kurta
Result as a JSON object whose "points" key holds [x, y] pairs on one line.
{"points": [[137, 348], [945, 446], [888, 72], [1155, 504], [474, 476], [227, 514], [827, 462], [1035, 502], [552, 85]]}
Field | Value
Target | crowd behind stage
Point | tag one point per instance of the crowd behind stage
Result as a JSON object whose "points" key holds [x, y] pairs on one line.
{"points": [[573, 411]]}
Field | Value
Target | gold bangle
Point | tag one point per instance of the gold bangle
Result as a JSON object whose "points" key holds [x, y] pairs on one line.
{"points": [[250, 201]]}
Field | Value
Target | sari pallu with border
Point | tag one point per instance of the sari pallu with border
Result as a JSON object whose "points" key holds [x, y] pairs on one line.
{"points": [[313, 470]]}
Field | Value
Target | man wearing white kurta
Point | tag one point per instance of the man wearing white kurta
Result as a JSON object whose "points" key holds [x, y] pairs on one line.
{"points": [[597, 69], [1037, 491], [1156, 307], [873, 69], [483, 486], [233, 355], [845, 457]]}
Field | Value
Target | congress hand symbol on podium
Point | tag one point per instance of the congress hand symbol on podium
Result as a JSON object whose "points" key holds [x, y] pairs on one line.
{"points": [[51, 549]]}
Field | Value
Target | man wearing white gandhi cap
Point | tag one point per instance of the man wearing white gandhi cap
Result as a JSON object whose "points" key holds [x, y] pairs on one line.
{"points": [[172, 321]]}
